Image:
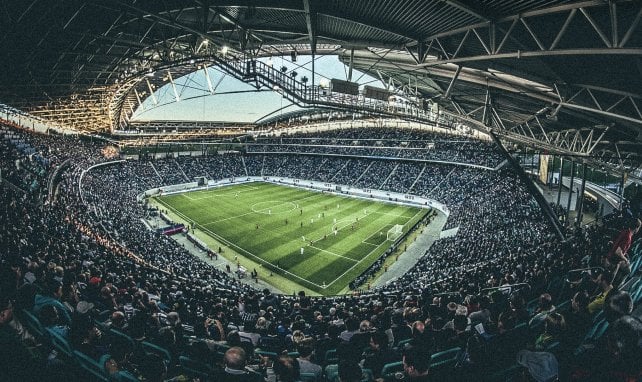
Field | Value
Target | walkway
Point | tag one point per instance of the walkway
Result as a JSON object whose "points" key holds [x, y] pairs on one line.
{"points": [[414, 251]]}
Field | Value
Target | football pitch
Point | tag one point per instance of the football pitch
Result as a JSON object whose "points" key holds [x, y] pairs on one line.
{"points": [[318, 240]]}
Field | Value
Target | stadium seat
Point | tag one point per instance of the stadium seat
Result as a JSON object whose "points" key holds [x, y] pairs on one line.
{"points": [[331, 373], [124, 376], [270, 354], [308, 377], [444, 359], [95, 368], [367, 375], [150, 348], [597, 330], [330, 357], [59, 343], [194, 368], [123, 338], [33, 324], [390, 369]]}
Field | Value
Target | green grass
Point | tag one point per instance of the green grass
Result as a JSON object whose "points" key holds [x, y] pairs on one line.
{"points": [[251, 219]]}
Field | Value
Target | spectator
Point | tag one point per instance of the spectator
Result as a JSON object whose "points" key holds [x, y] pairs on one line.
{"points": [[604, 279]]}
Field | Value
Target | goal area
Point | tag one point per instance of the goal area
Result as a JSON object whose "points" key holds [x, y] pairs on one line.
{"points": [[395, 232]]}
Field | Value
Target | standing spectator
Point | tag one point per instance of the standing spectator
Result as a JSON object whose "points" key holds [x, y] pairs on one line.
{"points": [[617, 259]]}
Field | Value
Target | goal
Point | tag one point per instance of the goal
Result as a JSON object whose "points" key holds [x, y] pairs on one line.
{"points": [[395, 232]]}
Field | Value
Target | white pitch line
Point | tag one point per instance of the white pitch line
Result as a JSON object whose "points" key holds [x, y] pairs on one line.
{"points": [[332, 253]]}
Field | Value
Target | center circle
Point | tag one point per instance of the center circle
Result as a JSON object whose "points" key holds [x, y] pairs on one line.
{"points": [[269, 207]]}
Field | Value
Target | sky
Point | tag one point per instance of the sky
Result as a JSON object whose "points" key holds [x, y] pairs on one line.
{"points": [[234, 100]]}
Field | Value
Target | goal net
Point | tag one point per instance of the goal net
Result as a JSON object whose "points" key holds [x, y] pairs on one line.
{"points": [[395, 232]]}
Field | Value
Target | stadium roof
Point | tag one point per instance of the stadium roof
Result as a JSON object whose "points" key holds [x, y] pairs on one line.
{"points": [[561, 75]]}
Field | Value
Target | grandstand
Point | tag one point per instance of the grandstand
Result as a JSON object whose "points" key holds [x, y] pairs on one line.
{"points": [[463, 204]]}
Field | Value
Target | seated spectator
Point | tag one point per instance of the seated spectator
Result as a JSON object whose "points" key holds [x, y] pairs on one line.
{"points": [[458, 335], [379, 354], [518, 308], [54, 293], [306, 349], [544, 307], [286, 369], [554, 331], [49, 319], [235, 361], [12, 324], [361, 339], [618, 304], [604, 282], [352, 327], [578, 319], [87, 338], [416, 364], [620, 359]]}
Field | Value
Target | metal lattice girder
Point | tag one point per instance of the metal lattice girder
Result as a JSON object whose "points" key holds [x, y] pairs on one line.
{"points": [[529, 35]]}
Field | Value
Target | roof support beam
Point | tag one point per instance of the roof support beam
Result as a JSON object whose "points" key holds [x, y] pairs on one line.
{"points": [[311, 22], [452, 83], [466, 8]]}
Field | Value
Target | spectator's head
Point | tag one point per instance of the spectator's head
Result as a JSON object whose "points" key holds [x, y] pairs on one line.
{"points": [[604, 279], [6, 310], [305, 348], [334, 331], [365, 326], [506, 321], [624, 342], [617, 304], [378, 340], [352, 324], [580, 302], [286, 369], [48, 315], [233, 338], [460, 323], [634, 225], [418, 328], [554, 324], [173, 319], [416, 361], [54, 289], [517, 301], [118, 319], [235, 358], [545, 302]]}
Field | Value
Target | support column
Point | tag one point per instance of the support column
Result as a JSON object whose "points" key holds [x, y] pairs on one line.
{"points": [[580, 198], [570, 192], [559, 189], [622, 181]]}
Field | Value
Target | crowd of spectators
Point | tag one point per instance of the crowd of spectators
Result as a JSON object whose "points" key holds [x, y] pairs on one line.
{"points": [[384, 142], [81, 272]]}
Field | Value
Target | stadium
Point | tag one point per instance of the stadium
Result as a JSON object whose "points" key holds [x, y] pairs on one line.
{"points": [[321, 191]]}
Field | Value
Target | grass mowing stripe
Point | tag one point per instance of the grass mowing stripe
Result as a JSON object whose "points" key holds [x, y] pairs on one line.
{"points": [[233, 217]]}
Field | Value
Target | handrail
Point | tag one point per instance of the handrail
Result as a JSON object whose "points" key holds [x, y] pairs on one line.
{"points": [[509, 287], [581, 270], [251, 70]]}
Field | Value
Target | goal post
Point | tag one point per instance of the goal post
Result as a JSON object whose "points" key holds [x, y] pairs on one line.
{"points": [[395, 232]]}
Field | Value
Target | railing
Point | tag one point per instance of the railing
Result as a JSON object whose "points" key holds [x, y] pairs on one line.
{"points": [[251, 70]]}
